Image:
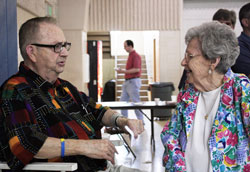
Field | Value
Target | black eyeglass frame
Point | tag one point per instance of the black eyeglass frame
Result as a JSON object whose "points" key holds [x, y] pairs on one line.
{"points": [[59, 45]]}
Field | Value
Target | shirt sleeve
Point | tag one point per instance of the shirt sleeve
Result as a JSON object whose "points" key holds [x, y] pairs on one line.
{"points": [[242, 109], [88, 106], [245, 112], [20, 135], [173, 131], [97, 109], [245, 106], [137, 61]]}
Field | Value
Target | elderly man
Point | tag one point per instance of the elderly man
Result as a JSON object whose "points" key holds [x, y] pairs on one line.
{"points": [[45, 118]]}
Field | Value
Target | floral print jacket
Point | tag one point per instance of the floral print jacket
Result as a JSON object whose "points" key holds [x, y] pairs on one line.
{"points": [[229, 140]]}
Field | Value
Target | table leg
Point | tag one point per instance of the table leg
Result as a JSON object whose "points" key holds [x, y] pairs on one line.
{"points": [[127, 145], [152, 129]]}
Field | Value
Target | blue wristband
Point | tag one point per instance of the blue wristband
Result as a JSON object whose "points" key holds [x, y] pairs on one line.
{"points": [[62, 147]]}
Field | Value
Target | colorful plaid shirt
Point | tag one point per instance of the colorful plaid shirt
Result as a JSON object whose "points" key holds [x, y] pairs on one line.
{"points": [[229, 140], [33, 109]]}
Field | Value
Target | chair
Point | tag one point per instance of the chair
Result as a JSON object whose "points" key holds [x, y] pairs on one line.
{"points": [[119, 132], [51, 166], [45, 166]]}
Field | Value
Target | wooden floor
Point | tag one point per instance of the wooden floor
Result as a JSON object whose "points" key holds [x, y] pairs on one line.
{"points": [[146, 159]]}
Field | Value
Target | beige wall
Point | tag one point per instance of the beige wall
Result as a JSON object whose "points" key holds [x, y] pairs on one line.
{"points": [[166, 16], [22, 16], [74, 70], [73, 18], [73, 14], [134, 15], [170, 57], [27, 9], [140, 15], [108, 70], [38, 7]]}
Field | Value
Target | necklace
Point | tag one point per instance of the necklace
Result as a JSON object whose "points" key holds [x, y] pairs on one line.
{"points": [[206, 116], [210, 101], [206, 106]]}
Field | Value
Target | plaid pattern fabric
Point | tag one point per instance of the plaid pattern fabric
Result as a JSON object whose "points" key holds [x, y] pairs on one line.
{"points": [[32, 109]]}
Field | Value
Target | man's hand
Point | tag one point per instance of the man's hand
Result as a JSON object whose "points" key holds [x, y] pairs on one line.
{"points": [[98, 149], [119, 70], [134, 124]]}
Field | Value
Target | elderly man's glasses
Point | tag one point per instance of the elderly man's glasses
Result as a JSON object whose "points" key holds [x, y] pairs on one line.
{"points": [[57, 47]]}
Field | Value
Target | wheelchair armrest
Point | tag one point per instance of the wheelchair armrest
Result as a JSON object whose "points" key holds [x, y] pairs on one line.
{"points": [[45, 166]]}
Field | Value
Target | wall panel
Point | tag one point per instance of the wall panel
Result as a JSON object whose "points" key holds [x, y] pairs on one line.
{"points": [[106, 15], [8, 37]]}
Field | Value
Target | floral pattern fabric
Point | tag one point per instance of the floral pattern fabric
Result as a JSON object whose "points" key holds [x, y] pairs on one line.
{"points": [[229, 140]]}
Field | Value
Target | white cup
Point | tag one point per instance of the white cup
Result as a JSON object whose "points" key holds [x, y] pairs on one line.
{"points": [[157, 101], [105, 136], [174, 98]]}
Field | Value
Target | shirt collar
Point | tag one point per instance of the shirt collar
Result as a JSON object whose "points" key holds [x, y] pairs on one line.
{"points": [[36, 79], [192, 91], [132, 52]]}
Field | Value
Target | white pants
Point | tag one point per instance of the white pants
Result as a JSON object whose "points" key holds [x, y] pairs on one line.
{"points": [[131, 91]]}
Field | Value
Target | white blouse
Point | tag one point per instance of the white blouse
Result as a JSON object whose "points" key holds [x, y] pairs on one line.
{"points": [[197, 151]]}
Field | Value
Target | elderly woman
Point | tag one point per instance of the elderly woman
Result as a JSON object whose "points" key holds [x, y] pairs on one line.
{"points": [[210, 129]]}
